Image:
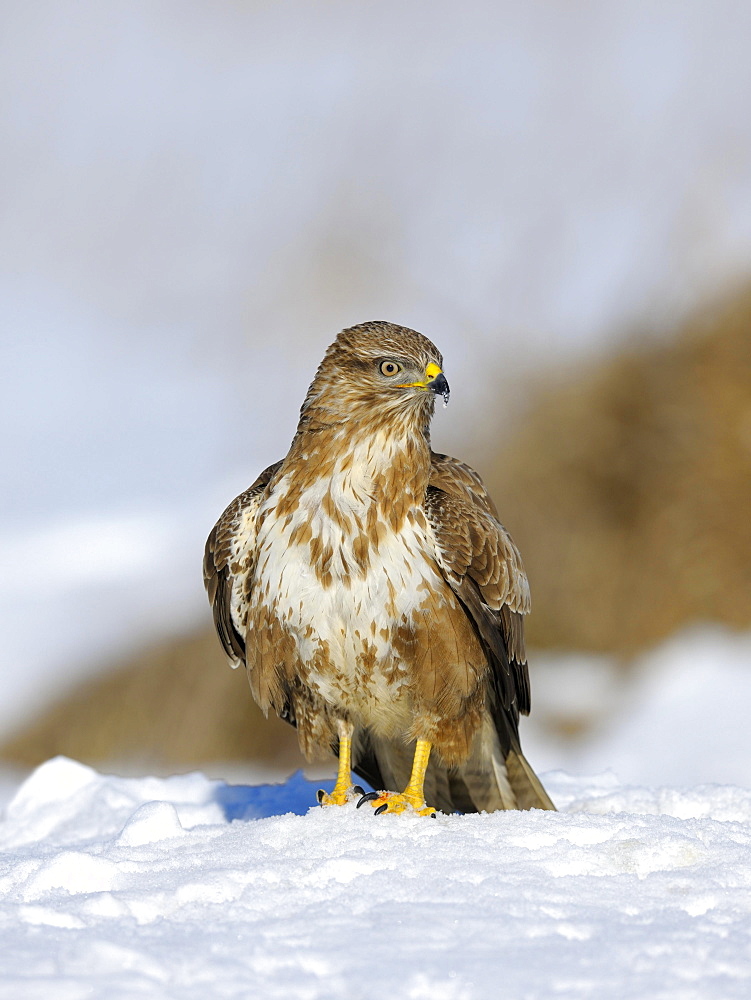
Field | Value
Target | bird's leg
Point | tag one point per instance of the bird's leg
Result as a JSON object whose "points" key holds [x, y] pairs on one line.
{"points": [[413, 796], [343, 791]]}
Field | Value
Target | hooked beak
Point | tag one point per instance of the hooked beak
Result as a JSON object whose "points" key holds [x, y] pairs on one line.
{"points": [[439, 385], [435, 380]]}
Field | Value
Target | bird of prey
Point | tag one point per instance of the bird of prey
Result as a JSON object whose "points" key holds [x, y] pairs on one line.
{"points": [[375, 600]]}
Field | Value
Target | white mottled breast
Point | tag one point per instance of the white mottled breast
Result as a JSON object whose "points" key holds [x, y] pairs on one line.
{"points": [[349, 614]]}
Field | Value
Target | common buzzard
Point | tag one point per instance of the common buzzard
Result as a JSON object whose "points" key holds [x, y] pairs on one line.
{"points": [[376, 602]]}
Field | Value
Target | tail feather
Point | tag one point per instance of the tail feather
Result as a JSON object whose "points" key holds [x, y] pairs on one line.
{"points": [[495, 780], [527, 787], [487, 782]]}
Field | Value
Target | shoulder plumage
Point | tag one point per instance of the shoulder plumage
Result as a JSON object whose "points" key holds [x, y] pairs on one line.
{"points": [[473, 541], [459, 479]]}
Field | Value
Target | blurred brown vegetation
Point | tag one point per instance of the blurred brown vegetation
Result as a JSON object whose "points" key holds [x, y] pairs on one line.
{"points": [[628, 490], [171, 707]]}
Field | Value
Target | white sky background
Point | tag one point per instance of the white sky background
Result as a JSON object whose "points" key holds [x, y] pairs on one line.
{"points": [[197, 196]]}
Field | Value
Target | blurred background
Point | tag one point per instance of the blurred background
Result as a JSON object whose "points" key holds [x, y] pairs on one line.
{"points": [[197, 196]]}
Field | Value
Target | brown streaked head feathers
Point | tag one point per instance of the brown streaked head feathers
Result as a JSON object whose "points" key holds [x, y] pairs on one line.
{"points": [[348, 380]]}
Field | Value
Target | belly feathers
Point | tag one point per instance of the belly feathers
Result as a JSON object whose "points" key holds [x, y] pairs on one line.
{"points": [[356, 610]]}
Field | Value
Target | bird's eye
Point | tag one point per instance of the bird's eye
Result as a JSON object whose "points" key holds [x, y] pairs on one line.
{"points": [[390, 368]]}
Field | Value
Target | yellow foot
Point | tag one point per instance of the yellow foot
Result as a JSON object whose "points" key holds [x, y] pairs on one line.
{"points": [[393, 802], [340, 796]]}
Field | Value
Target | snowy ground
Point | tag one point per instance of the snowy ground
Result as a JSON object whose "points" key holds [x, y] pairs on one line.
{"points": [[679, 716], [190, 888]]}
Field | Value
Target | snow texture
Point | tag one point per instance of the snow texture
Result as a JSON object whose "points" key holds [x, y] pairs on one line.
{"points": [[679, 716], [190, 888]]}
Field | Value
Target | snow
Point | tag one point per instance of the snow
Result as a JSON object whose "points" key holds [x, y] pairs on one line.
{"points": [[107, 571], [187, 888], [678, 716]]}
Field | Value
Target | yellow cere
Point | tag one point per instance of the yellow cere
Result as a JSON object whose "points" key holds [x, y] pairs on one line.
{"points": [[430, 373]]}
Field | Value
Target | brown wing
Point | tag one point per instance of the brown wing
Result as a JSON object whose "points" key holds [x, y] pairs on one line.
{"points": [[227, 563], [484, 569], [453, 476]]}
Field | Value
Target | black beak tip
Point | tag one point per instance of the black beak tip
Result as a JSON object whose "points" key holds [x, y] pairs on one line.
{"points": [[439, 385]]}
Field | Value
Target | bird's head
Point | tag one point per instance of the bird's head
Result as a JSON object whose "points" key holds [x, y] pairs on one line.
{"points": [[377, 370]]}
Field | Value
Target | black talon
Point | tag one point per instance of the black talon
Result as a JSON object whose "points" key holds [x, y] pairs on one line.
{"points": [[380, 809], [433, 816], [367, 797], [319, 795], [358, 789]]}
